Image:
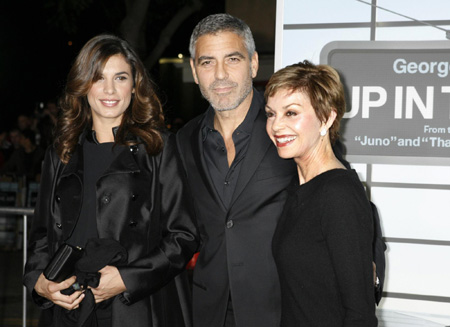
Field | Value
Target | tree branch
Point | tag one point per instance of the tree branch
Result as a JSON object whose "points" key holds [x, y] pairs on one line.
{"points": [[169, 30], [131, 28]]}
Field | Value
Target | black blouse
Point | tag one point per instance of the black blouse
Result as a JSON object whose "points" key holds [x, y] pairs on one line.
{"points": [[97, 158], [323, 251]]}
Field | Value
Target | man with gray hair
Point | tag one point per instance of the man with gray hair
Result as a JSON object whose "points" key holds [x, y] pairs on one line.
{"points": [[237, 181]]}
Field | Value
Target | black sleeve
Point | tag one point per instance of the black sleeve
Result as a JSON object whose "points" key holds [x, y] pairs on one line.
{"points": [[378, 244], [378, 253]]}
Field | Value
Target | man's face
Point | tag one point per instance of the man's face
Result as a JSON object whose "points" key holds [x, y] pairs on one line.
{"points": [[23, 122], [223, 70]]}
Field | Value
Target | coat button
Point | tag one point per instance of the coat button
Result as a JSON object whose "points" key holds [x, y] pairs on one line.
{"points": [[134, 149], [134, 197], [230, 223], [58, 198], [58, 225], [106, 199], [132, 224]]}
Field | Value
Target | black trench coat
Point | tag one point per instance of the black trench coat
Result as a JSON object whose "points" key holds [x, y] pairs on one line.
{"points": [[142, 202]]}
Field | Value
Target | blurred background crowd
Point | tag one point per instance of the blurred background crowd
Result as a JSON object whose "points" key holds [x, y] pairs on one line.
{"points": [[23, 143]]}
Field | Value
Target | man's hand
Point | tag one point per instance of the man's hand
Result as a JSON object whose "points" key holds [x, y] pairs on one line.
{"points": [[111, 284], [51, 290]]}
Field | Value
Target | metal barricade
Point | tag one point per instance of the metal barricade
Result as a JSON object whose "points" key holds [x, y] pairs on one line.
{"points": [[24, 212]]}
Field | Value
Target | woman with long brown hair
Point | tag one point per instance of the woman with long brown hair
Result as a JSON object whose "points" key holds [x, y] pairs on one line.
{"points": [[111, 181]]}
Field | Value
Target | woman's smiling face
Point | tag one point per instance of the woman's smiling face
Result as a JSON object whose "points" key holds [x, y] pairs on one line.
{"points": [[110, 96], [292, 124]]}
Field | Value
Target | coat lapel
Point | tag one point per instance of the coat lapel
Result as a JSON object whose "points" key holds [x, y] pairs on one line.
{"points": [[199, 162], [257, 147], [75, 165], [124, 162], [72, 179]]}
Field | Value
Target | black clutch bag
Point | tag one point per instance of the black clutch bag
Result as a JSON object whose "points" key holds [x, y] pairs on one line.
{"points": [[62, 265]]}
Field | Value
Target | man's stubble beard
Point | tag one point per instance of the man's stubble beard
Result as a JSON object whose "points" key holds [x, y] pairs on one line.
{"points": [[241, 97]]}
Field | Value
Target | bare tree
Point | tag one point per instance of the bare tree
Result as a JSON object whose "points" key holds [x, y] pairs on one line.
{"points": [[170, 29], [132, 27]]}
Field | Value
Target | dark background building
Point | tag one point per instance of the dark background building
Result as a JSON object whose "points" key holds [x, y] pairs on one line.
{"points": [[39, 39]]}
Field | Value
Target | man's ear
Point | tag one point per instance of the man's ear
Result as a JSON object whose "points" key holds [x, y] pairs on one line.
{"points": [[255, 64], [194, 73]]}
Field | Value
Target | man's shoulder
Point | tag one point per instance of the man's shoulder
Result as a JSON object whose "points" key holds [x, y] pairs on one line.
{"points": [[189, 127]]}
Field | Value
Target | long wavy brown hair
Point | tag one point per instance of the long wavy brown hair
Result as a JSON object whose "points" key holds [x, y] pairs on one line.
{"points": [[143, 119]]}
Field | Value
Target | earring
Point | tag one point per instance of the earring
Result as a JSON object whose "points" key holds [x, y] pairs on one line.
{"points": [[323, 132]]}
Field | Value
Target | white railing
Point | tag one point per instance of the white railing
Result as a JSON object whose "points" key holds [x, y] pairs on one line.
{"points": [[24, 212]]}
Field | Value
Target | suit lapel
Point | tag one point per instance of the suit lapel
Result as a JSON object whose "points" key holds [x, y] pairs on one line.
{"points": [[257, 147], [200, 164]]}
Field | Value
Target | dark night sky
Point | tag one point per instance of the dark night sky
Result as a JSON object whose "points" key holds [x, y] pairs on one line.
{"points": [[35, 56]]}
